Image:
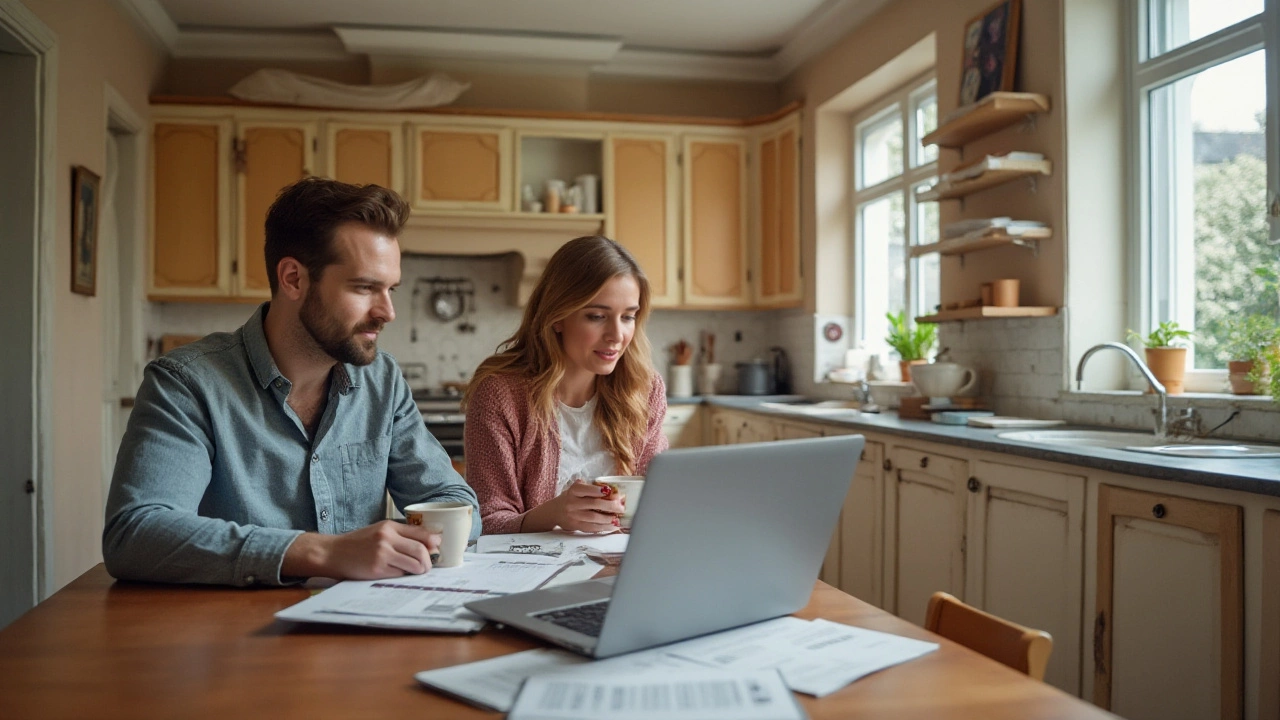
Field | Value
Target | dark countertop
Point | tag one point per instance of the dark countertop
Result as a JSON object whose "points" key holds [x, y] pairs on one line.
{"points": [[1260, 476]]}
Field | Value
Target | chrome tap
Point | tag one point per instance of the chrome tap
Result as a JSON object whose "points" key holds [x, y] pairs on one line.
{"points": [[1162, 397]]}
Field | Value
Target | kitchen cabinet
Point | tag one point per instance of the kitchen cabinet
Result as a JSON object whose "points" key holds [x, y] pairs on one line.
{"points": [[365, 154], [1024, 557], [190, 239], [796, 431], [926, 502], [683, 426], [715, 222], [270, 156], [777, 256], [1269, 662], [462, 167], [641, 202], [1168, 631], [855, 562]]}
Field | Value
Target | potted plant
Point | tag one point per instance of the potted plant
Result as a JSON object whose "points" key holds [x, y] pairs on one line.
{"points": [[1250, 342], [1166, 354], [911, 344]]}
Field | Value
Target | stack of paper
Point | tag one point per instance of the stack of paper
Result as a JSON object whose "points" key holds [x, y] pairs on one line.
{"points": [[697, 695]]}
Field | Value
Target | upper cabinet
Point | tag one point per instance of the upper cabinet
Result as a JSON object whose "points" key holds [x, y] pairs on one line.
{"points": [[642, 208], [715, 222], [462, 168], [269, 157], [777, 257], [365, 154], [190, 243]]}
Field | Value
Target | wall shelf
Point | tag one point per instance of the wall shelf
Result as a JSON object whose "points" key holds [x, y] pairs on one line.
{"points": [[1011, 170], [960, 246], [987, 312], [996, 111]]}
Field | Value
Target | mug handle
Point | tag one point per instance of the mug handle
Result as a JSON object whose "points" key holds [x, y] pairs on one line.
{"points": [[972, 379]]}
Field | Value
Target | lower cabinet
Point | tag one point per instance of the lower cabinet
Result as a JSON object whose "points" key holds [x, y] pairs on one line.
{"points": [[683, 426], [1269, 662], [1168, 631], [855, 563]]}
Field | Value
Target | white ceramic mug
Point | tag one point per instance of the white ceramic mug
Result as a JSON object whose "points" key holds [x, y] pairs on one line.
{"points": [[452, 520], [627, 488], [943, 379]]}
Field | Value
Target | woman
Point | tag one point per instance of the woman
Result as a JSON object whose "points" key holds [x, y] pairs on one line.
{"points": [[568, 398]]}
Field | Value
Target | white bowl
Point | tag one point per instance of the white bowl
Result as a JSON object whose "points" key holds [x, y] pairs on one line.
{"points": [[887, 393]]}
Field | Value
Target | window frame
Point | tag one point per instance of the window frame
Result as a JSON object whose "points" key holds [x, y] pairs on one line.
{"points": [[903, 102], [1148, 190]]}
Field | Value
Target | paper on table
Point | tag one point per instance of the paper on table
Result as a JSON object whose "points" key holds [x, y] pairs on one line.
{"points": [[432, 601], [690, 695], [552, 544]]}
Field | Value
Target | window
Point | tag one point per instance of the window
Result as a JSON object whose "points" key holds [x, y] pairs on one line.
{"points": [[1207, 169], [890, 165]]}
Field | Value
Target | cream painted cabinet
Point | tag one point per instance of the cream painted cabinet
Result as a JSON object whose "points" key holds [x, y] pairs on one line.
{"points": [[797, 431], [1168, 630], [1025, 556], [270, 156], [191, 179], [926, 501], [462, 168], [683, 426], [715, 222], [642, 208], [752, 428], [1269, 664], [855, 562], [365, 154], [776, 259]]}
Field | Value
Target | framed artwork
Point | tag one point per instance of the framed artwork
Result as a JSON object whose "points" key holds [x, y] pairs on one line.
{"points": [[990, 51], [85, 199]]}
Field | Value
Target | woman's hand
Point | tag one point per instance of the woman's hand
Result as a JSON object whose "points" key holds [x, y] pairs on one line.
{"points": [[582, 506]]}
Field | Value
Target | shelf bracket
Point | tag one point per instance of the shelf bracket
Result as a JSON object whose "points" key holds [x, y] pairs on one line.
{"points": [[1028, 123], [1033, 244], [1033, 183]]}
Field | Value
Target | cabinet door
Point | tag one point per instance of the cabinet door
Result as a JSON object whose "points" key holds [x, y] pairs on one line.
{"points": [[789, 431], [715, 257], [722, 427], [190, 203], [860, 535], [753, 429], [363, 154], [777, 262], [1168, 637], [1269, 667], [272, 155], [462, 168], [641, 208], [1025, 556], [925, 510], [683, 426]]}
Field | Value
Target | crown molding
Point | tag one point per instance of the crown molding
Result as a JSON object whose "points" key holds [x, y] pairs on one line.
{"points": [[821, 30], [478, 46], [320, 45], [152, 18], [690, 66]]}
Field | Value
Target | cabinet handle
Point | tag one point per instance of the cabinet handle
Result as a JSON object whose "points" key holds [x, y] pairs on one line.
{"points": [[1158, 511], [924, 461], [888, 464], [974, 485]]}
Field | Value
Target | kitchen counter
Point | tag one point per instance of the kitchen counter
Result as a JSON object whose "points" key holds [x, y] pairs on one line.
{"points": [[1261, 476]]}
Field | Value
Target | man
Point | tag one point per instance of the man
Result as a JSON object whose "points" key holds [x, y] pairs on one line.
{"points": [[261, 457]]}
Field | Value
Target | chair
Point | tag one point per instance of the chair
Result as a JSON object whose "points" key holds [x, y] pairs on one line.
{"points": [[1023, 649]]}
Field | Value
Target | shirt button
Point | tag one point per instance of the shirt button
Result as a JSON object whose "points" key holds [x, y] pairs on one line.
{"points": [[315, 458], [324, 514], [249, 580], [279, 383]]}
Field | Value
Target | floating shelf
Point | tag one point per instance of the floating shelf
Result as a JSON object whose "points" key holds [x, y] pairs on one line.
{"points": [[960, 246], [986, 312], [1011, 170], [994, 112]]}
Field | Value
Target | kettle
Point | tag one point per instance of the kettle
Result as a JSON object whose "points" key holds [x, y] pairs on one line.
{"points": [[753, 377], [781, 371]]}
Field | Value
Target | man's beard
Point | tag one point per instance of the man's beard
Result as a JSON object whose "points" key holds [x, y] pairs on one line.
{"points": [[336, 341]]}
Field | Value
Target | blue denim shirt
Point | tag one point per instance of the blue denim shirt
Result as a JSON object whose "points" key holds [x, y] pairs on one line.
{"points": [[216, 475]]}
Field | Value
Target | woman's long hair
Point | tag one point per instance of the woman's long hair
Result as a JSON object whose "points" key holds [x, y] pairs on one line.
{"points": [[573, 276]]}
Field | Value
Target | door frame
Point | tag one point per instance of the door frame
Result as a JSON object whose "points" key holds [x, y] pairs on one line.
{"points": [[18, 21]]}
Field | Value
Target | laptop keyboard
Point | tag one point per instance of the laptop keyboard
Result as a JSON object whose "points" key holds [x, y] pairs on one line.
{"points": [[586, 619]]}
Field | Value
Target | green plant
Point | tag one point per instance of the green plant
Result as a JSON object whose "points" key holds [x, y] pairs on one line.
{"points": [[1250, 338], [909, 343], [1165, 335]]}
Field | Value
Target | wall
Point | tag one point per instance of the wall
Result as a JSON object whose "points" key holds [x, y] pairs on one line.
{"points": [[96, 46]]}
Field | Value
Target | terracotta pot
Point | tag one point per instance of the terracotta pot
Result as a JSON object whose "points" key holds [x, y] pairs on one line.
{"points": [[1169, 365], [905, 367], [1239, 378]]}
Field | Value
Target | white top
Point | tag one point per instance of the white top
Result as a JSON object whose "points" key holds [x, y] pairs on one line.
{"points": [[582, 452]]}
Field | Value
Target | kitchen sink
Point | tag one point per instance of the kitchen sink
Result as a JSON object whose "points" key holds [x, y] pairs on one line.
{"points": [[1145, 443], [815, 407]]}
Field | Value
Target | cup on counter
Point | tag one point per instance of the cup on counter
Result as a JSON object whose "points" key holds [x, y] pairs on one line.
{"points": [[1004, 292], [708, 377], [452, 520], [626, 488]]}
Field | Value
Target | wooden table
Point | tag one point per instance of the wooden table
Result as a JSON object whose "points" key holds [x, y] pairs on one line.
{"points": [[102, 649]]}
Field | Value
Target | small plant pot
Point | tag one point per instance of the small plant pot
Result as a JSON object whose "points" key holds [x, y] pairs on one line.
{"points": [[1169, 365], [1239, 378], [905, 367]]}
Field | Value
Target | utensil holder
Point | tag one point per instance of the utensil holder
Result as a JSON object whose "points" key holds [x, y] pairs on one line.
{"points": [[681, 381]]}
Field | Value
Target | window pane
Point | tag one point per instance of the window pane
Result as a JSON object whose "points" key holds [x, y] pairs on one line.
{"points": [[927, 269], [1209, 183], [882, 272], [926, 122], [881, 148], [1174, 23]]}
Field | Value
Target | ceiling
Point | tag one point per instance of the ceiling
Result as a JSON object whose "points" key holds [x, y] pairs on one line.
{"points": [[708, 39]]}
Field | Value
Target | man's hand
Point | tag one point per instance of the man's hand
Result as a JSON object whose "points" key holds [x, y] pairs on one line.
{"points": [[382, 550]]}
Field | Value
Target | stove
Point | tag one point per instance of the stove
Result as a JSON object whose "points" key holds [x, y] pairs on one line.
{"points": [[442, 412]]}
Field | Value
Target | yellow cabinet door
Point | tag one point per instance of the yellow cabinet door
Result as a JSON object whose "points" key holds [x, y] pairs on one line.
{"points": [[777, 260], [641, 208], [363, 154], [190, 222], [270, 156], [715, 223], [462, 168]]}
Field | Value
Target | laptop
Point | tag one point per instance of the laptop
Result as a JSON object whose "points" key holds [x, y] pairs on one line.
{"points": [[726, 536]]}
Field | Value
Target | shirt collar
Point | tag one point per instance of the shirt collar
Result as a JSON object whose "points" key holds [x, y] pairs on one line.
{"points": [[264, 366]]}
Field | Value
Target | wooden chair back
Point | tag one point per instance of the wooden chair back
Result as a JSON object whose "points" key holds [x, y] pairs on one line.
{"points": [[1021, 648]]}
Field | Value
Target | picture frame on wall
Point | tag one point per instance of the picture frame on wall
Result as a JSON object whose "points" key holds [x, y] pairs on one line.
{"points": [[85, 199], [990, 51]]}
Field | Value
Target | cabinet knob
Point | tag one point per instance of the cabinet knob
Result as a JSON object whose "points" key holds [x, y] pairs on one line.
{"points": [[924, 461], [974, 485], [1158, 511], [888, 464]]}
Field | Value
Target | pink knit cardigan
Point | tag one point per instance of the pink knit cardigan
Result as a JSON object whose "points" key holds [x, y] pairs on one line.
{"points": [[512, 465]]}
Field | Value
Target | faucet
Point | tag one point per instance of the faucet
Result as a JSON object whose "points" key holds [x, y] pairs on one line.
{"points": [[1162, 397]]}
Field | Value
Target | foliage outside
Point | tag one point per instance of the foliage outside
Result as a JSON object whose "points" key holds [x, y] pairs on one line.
{"points": [[910, 343], [1166, 335], [1250, 338]]}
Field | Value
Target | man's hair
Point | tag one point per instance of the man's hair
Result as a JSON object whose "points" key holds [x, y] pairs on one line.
{"points": [[305, 215]]}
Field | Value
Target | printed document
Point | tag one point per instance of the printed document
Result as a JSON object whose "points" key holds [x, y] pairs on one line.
{"points": [[553, 544]]}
